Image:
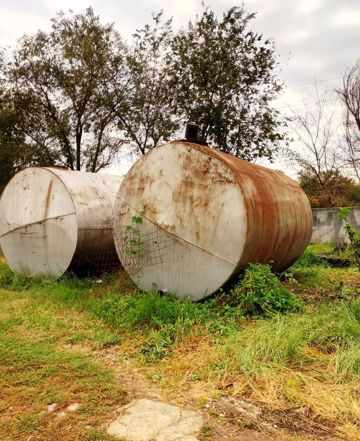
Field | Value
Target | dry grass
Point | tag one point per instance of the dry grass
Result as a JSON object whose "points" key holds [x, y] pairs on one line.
{"points": [[36, 370], [302, 370]]}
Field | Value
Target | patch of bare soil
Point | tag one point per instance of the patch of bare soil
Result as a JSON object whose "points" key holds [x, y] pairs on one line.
{"points": [[230, 413]]}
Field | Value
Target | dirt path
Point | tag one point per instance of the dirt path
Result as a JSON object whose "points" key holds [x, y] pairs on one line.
{"points": [[225, 418]]}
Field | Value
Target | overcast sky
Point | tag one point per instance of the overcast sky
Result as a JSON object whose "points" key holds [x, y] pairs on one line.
{"points": [[316, 40]]}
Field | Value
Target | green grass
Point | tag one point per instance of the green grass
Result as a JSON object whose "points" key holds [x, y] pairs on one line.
{"points": [[311, 256], [320, 248], [38, 367], [163, 320], [259, 336], [288, 341], [311, 272]]}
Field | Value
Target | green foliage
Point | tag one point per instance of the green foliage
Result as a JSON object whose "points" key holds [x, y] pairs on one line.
{"points": [[136, 220], [164, 321], [133, 244], [308, 259], [15, 153], [261, 293], [76, 85], [67, 85], [223, 79], [344, 213], [329, 188], [158, 344], [354, 236], [153, 116]]}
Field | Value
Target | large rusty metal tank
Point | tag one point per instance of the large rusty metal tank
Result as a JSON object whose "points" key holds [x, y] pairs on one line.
{"points": [[188, 218], [53, 219]]}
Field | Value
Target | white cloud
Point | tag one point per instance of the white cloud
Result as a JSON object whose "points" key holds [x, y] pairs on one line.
{"points": [[346, 17], [309, 6], [13, 24]]}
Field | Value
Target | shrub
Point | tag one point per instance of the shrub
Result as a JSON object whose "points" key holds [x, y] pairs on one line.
{"points": [[261, 293]]}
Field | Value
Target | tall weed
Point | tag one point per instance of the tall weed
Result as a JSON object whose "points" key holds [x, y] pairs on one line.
{"points": [[261, 293]]}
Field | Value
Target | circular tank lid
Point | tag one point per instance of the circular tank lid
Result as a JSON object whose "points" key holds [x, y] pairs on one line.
{"points": [[180, 221], [38, 225]]}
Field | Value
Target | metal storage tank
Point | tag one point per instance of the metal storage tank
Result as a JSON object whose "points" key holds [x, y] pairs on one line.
{"points": [[53, 219], [187, 218]]}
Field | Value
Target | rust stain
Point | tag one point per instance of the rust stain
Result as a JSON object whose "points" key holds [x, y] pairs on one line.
{"points": [[278, 231], [47, 199]]}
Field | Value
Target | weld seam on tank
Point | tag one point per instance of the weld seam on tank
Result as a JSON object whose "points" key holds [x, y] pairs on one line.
{"points": [[36, 223], [181, 238]]}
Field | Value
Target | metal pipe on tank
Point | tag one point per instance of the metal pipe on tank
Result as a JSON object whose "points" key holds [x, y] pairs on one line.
{"points": [[188, 218], [53, 220]]}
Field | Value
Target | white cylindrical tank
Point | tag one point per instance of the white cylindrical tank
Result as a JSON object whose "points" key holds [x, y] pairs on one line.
{"points": [[53, 220], [188, 218]]}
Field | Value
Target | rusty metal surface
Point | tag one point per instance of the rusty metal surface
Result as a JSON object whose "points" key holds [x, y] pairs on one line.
{"points": [[279, 214], [53, 220], [204, 216]]}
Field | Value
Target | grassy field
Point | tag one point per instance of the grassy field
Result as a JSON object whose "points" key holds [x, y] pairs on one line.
{"points": [[290, 349]]}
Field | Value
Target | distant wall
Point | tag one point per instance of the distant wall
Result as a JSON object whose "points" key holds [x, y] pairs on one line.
{"points": [[327, 226]]}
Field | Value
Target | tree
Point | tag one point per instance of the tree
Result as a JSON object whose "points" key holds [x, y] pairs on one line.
{"points": [[316, 150], [69, 85], [151, 116], [14, 154], [350, 96], [81, 94], [339, 191], [222, 76]]}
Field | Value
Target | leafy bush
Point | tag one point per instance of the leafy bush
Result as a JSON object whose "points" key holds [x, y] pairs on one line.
{"points": [[261, 293]]}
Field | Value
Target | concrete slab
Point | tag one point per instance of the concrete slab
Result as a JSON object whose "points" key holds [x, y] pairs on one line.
{"points": [[148, 420]]}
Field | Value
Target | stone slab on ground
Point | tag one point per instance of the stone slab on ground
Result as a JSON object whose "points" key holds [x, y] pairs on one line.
{"points": [[148, 420]]}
